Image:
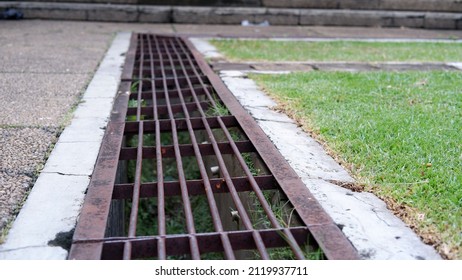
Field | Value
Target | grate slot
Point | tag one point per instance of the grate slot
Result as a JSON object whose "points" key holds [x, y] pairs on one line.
{"points": [[197, 184], [130, 153], [195, 187], [146, 247]]}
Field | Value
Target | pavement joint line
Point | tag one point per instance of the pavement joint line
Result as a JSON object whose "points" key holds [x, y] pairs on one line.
{"points": [[20, 248], [365, 219], [271, 72], [54, 203], [269, 120], [322, 39], [370, 63], [66, 174], [209, 51], [353, 67]]}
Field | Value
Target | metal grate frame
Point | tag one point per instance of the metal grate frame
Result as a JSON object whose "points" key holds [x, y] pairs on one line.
{"points": [[165, 113]]}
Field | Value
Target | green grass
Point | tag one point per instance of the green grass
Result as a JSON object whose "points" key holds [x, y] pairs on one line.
{"points": [[266, 50], [399, 134]]}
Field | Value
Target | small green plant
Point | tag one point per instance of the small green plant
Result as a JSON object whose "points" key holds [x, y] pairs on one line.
{"points": [[134, 86], [175, 220], [174, 217], [314, 254], [132, 103], [218, 110], [4, 232], [286, 253], [134, 90], [283, 211], [250, 164]]}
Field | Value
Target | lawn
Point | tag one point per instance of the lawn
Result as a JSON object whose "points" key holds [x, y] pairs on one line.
{"points": [[348, 51], [398, 133]]}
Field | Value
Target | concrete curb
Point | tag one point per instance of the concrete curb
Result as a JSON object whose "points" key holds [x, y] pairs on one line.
{"points": [[332, 66], [44, 227], [235, 15]]}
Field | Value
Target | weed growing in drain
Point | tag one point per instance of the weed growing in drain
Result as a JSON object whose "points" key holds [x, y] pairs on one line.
{"points": [[283, 211], [133, 103], [147, 223], [250, 163], [218, 110], [134, 86], [286, 253]]}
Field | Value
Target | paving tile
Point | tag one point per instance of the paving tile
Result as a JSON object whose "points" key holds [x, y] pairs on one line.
{"points": [[22, 150], [38, 99], [73, 158], [84, 130]]}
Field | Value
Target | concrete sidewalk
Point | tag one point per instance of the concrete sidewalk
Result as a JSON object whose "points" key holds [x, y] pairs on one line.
{"points": [[47, 65]]}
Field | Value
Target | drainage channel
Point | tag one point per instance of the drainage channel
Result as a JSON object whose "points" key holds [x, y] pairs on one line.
{"points": [[185, 173]]}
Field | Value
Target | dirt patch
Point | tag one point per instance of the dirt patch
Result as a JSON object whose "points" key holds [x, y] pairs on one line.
{"points": [[428, 233], [349, 185]]}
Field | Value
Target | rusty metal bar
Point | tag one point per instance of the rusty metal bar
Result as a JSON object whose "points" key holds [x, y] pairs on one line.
{"points": [[267, 208], [162, 229], [129, 153], [136, 194], [195, 187], [177, 96], [184, 190], [206, 181], [208, 242], [234, 194], [258, 191]]}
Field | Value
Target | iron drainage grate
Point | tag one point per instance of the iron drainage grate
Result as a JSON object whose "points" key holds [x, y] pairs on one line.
{"points": [[185, 173]]}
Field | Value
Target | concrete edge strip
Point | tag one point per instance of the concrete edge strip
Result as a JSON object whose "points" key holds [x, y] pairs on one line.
{"points": [[44, 226], [457, 65], [365, 220], [298, 66], [212, 53], [347, 39], [237, 15]]}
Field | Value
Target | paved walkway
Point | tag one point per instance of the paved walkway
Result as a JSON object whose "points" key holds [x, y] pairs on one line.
{"points": [[47, 65]]}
